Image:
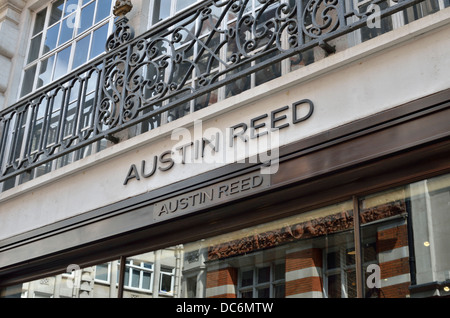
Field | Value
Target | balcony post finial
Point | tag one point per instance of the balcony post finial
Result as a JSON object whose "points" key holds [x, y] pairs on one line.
{"points": [[122, 7], [123, 31]]}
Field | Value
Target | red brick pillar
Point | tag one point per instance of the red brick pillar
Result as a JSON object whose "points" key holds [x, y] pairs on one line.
{"points": [[393, 256], [304, 273], [221, 283]]}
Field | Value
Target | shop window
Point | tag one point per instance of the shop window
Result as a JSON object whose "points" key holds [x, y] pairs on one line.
{"points": [[408, 226], [87, 282], [65, 35], [401, 244], [429, 201]]}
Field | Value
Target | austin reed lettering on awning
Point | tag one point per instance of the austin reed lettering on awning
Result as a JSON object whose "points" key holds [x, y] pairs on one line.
{"points": [[210, 196]]}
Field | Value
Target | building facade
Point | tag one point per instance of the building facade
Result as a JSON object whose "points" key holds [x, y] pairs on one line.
{"points": [[224, 149]]}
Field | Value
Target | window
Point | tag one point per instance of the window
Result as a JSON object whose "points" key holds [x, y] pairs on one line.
{"points": [[102, 272], [65, 35], [138, 275], [163, 9], [340, 273], [421, 9], [166, 280], [340, 269], [262, 282], [403, 232]]}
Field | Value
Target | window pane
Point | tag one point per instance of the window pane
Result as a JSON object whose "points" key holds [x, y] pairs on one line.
{"points": [[278, 291], [103, 10], [181, 4], [333, 259], [351, 284], [334, 286], [62, 62], [247, 278], [67, 27], [350, 256], [87, 17], [98, 41], [146, 280], [126, 278], [191, 283], [279, 271], [247, 294], [34, 48], [147, 265], [263, 275], [101, 272], [268, 73], [264, 293], [81, 51], [51, 38], [161, 10], [71, 6], [135, 278], [56, 12], [420, 10], [166, 283], [28, 80], [45, 72], [39, 22], [87, 111]]}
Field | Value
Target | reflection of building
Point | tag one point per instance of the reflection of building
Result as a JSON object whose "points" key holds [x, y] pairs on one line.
{"points": [[251, 149]]}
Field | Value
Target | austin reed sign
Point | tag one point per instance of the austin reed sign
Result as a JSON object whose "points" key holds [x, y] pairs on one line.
{"points": [[255, 140]]}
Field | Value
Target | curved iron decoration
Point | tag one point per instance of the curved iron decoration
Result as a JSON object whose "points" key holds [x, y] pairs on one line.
{"points": [[172, 69]]}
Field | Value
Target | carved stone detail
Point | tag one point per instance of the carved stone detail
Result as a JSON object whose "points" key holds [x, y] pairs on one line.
{"points": [[382, 211], [312, 228], [122, 7]]}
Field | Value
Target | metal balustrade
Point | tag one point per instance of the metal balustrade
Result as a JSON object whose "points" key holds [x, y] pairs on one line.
{"points": [[179, 66]]}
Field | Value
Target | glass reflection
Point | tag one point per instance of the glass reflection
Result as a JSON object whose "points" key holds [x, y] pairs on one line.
{"points": [[309, 255], [103, 9], [98, 41], [87, 17]]}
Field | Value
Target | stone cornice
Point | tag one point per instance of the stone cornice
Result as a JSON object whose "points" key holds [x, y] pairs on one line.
{"points": [[17, 5], [11, 10]]}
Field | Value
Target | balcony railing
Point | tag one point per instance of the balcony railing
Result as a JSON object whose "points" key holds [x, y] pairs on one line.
{"points": [[202, 55]]}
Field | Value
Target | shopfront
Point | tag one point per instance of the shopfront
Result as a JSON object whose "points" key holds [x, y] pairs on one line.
{"points": [[363, 215], [182, 164]]}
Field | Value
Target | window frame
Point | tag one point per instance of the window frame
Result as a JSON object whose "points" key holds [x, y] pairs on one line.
{"points": [[130, 267], [255, 286], [163, 273], [69, 44]]}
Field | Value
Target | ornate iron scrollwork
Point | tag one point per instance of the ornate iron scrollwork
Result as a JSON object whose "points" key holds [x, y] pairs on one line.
{"points": [[173, 69], [123, 32]]}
